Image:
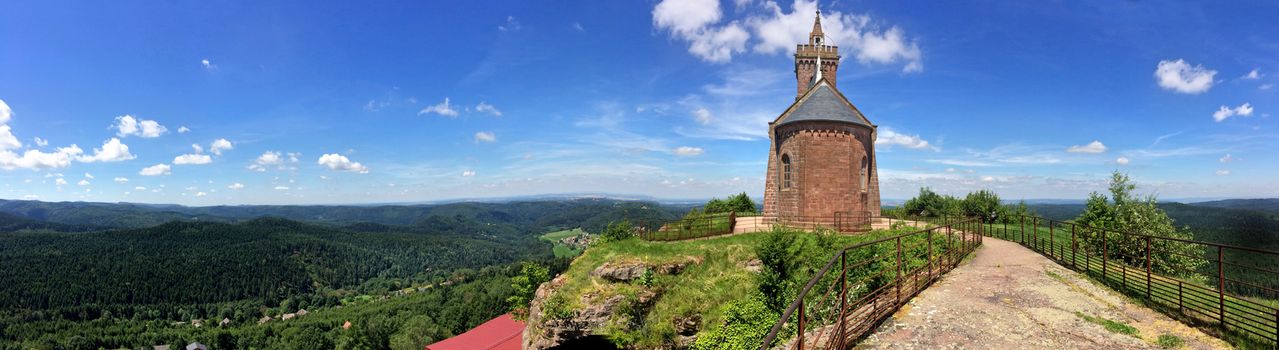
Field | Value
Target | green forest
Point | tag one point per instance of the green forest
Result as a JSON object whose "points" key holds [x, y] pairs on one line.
{"points": [[403, 276]]}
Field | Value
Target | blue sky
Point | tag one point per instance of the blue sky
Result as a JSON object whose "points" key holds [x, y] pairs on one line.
{"points": [[390, 101]]}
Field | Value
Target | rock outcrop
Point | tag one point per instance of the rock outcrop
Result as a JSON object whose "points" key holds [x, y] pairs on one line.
{"points": [[547, 328]]}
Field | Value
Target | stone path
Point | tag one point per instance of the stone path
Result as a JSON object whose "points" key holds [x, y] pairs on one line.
{"points": [[1009, 297]]}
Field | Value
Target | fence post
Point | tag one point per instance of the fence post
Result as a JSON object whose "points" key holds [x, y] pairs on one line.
{"points": [[843, 293], [1034, 234], [800, 337], [899, 272], [1105, 257], [1051, 249], [1021, 220], [1221, 288], [1074, 248], [732, 221], [1147, 267], [930, 253]]}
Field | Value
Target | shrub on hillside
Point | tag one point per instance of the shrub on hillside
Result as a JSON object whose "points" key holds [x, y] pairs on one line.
{"points": [[739, 203], [617, 230], [1124, 212], [779, 263], [525, 285], [746, 323], [931, 204]]}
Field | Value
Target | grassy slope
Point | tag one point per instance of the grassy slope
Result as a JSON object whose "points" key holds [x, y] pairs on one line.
{"points": [[703, 288]]}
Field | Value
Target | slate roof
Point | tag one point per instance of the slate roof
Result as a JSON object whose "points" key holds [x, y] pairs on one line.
{"points": [[824, 103]]}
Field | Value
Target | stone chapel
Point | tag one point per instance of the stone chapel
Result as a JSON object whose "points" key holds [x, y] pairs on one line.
{"points": [[821, 155]]}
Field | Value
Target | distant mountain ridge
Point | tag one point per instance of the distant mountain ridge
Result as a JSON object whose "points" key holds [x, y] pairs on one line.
{"points": [[1270, 205]]}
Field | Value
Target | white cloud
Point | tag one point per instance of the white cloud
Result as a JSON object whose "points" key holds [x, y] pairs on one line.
{"points": [[282, 188], [511, 25], [5, 112], [339, 162], [183, 129], [578, 26], [201, 194], [468, 173], [1122, 160], [1223, 172], [83, 183], [220, 145], [488, 108], [126, 125], [236, 186], [88, 176], [121, 180], [1266, 86], [888, 138], [1092, 147], [140, 188], [856, 34], [1244, 110], [686, 151], [197, 148], [155, 170], [691, 21], [267, 159], [1253, 75], [703, 115], [192, 159], [485, 136], [1179, 76], [34, 159], [443, 109], [112, 151], [60, 182], [987, 178], [208, 65], [41, 142], [1226, 159]]}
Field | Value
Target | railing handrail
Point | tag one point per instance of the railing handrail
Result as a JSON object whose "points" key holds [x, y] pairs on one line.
{"points": [[1254, 250], [799, 299]]}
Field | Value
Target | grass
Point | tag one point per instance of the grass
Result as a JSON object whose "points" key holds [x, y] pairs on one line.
{"points": [[559, 249], [701, 289], [1110, 325], [1169, 341]]}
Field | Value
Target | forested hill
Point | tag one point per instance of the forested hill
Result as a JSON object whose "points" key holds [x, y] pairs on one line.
{"points": [[1269, 205], [586, 213], [267, 260]]}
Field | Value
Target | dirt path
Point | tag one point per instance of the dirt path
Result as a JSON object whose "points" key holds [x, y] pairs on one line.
{"points": [[1009, 297]]}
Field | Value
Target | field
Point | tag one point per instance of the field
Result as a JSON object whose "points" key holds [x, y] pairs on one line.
{"points": [[561, 250]]}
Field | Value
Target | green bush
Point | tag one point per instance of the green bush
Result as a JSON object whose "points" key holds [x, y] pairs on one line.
{"points": [[779, 262], [746, 323], [617, 231], [525, 285], [931, 204], [738, 203]]}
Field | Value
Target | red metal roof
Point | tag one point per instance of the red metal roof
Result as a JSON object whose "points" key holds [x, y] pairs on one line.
{"points": [[501, 333]]}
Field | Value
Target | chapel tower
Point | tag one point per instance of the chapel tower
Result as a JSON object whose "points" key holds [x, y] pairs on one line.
{"points": [[821, 159]]}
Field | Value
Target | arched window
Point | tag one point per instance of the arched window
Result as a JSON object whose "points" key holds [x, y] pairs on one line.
{"points": [[786, 171], [865, 176]]}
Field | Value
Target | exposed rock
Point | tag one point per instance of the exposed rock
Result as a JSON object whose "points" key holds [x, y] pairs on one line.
{"points": [[688, 325], [620, 272]]}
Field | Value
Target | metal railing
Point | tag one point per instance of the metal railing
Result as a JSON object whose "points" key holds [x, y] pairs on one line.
{"points": [[711, 225], [1234, 288], [841, 304]]}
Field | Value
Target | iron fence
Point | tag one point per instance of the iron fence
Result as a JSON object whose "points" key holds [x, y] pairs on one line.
{"points": [[863, 284], [1231, 287], [711, 225]]}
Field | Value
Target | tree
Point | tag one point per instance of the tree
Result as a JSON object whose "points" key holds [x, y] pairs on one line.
{"points": [[525, 285], [931, 204], [739, 203], [983, 204], [1125, 213]]}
